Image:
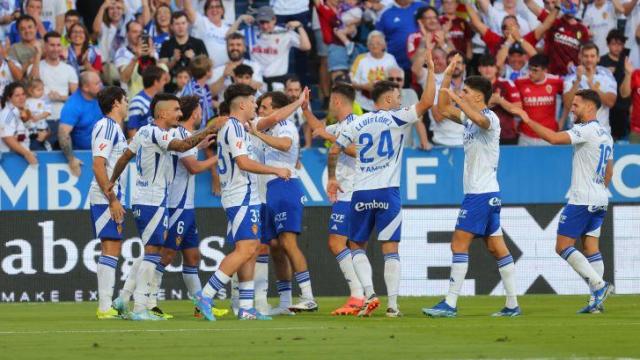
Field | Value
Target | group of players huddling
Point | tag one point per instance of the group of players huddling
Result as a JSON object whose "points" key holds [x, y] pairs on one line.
{"points": [[263, 197]]}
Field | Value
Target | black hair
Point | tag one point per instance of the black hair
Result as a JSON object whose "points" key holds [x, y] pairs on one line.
{"points": [[131, 22], [616, 34], [188, 104], [487, 60], [590, 45], [590, 96], [177, 15], [159, 98], [52, 35], [9, 90], [453, 53], [243, 69], [293, 78], [24, 18], [539, 60], [151, 74], [420, 12], [235, 36], [223, 109], [382, 87], [108, 96], [237, 90], [207, 4], [481, 84], [278, 99], [72, 12], [345, 90]]}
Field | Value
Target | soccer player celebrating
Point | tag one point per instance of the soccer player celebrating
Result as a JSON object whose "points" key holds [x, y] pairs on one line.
{"points": [[480, 211], [375, 202], [237, 168], [150, 146], [341, 107], [591, 173], [107, 214]]}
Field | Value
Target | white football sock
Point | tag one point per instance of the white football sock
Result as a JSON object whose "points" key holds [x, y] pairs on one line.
{"points": [[216, 282], [261, 281], [246, 295], [191, 279], [459, 267], [106, 280], [392, 278], [580, 264], [144, 282], [284, 290], [155, 286], [130, 283], [304, 281], [597, 263], [363, 270], [508, 273], [346, 266], [235, 293]]}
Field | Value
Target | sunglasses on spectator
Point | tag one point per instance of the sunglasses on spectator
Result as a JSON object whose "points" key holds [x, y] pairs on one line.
{"points": [[398, 79]]}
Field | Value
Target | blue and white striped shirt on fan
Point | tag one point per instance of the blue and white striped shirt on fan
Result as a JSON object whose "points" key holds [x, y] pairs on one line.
{"points": [[139, 111]]}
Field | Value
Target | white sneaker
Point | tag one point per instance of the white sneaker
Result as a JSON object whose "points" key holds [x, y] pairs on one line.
{"points": [[393, 313], [277, 311], [304, 305]]}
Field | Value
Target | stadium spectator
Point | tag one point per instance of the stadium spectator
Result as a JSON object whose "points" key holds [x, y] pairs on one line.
{"points": [[158, 24], [338, 61], [53, 11], [430, 31], [182, 78], [614, 60], [77, 118], [562, 42], [397, 22], [136, 53], [24, 52], [456, 28], [539, 91], [419, 68], [370, 67], [504, 101], [591, 76], [322, 53], [222, 74], [39, 109], [71, 17], [181, 48], [9, 13], [288, 11], [410, 97], [512, 60], [110, 28], [33, 8], [273, 44], [154, 79], [211, 28], [495, 14], [293, 88], [445, 131], [631, 87], [200, 69], [81, 55], [13, 133], [600, 17], [10, 69], [632, 30], [59, 78]]}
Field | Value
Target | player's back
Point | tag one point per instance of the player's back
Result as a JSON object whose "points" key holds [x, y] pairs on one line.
{"points": [[346, 166], [182, 188], [481, 155], [379, 140], [285, 159], [238, 186], [593, 148], [259, 149], [107, 141], [153, 170]]}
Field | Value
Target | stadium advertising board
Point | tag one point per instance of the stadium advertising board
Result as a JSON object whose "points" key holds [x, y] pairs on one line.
{"points": [[526, 174], [51, 256]]}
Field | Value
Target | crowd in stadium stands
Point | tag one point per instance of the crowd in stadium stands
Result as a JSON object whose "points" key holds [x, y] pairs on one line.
{"points": [[55, 55]]}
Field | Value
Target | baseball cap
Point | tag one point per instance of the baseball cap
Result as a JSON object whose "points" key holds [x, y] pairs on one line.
{"points": [[516, 49], [265, 13]]}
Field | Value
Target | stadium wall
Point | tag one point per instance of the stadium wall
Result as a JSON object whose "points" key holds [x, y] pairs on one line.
{"points": [[51, 255]]}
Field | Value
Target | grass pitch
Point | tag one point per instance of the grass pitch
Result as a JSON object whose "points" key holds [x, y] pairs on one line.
{"points": [[549, 329]]}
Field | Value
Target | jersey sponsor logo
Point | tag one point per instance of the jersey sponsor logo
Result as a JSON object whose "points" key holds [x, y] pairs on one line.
{"points": [[339, 218], [568, 40], [362, 206], [495, 201], [280, 217], [303, 199]]}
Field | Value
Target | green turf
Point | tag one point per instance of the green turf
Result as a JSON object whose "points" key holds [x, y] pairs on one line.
{"points": [[549, 329]]}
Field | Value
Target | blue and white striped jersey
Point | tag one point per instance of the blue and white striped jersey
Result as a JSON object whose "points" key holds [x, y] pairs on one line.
{"points": [[238, 186], [481, 155], [283, 159], [379, 140], [345, 169], [139, 111], [258, 150], [183, 184], [108, 141], [153, 165]]}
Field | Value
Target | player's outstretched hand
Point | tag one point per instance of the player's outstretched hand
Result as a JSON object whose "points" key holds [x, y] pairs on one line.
{"points": [[320, 133], [428, 60], [306, 98], [207, 142], [452, 65], [283, 173], [219, 122], [117, 211], [333, 187]]}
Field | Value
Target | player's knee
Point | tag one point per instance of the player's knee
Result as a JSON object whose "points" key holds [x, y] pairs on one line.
{"points": [[335, 245]]}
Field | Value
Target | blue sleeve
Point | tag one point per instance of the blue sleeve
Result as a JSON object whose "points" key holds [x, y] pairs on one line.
{"points": [[14, 36], [380, 23], [135, 122], [69, 114]]}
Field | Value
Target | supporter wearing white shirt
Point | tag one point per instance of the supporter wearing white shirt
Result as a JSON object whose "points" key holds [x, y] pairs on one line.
{"points": [[53, 11], [370, 67], [494, 14], [60, 79], [601, 17], [13, 134], [632, 11], [222, 75], [211, 28], [445, 131], [590, 76], [10, 70]]}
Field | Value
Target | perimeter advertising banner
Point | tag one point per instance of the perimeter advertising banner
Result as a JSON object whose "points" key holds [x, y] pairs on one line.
{"points": [[51, 255]]}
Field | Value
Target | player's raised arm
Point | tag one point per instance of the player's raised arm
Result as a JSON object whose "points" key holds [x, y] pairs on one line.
{"points": [[195, 139], [445, 106], [282, 113], [470, 111], [428, 96], [281, 143], [548, 135]]}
